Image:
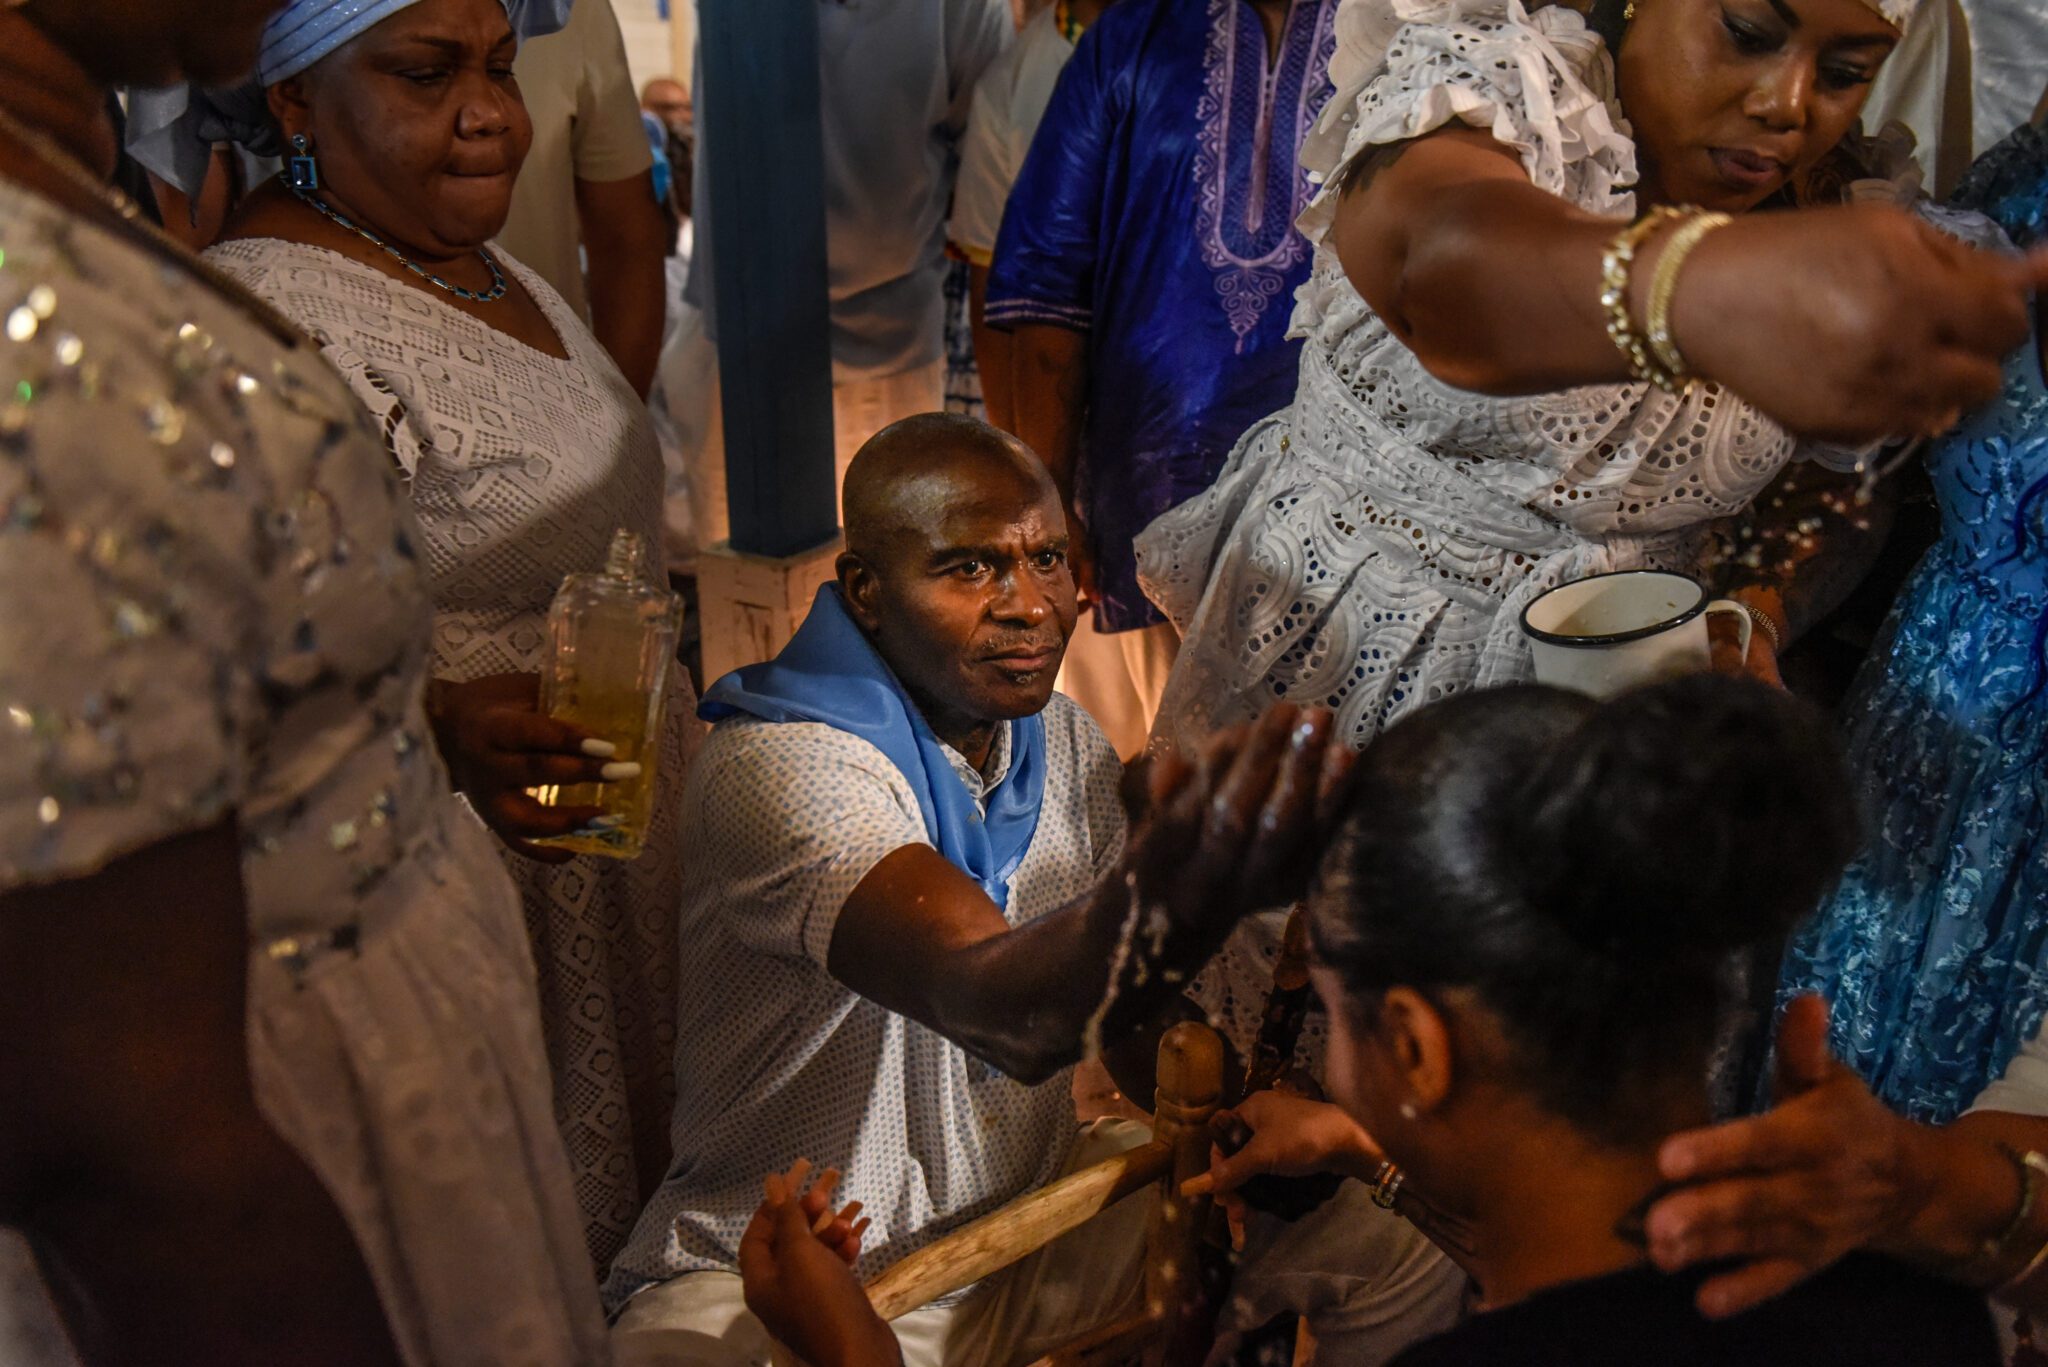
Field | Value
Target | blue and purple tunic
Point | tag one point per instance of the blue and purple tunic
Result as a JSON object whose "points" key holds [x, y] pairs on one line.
{"points": [[1155, 212]]}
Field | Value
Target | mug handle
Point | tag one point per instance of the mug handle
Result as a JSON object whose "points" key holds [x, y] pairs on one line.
{"points": [[1742, 616]]}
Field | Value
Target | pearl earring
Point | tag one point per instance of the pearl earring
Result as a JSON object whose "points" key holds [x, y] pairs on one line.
{"points": [[1408, 1111], [1628, 12]]}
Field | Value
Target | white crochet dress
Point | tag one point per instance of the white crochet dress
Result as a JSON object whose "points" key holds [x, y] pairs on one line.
{"points": [[1371, 548], [520, 466]]}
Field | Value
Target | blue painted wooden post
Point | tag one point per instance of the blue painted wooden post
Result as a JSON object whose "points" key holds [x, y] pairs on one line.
{"points": [[765, 180]]}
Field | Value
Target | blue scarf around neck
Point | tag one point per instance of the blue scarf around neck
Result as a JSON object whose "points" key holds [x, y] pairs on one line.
{"points": [[830, 673]]}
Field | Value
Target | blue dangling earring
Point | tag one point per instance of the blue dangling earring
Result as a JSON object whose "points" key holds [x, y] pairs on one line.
{"points": [[303, 171]]}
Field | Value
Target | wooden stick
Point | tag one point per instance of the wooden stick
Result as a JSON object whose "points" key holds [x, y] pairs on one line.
{"points": [[1018, 1230], [1190, 1089]]}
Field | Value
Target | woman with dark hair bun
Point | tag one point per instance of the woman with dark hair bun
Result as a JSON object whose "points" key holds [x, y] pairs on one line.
{"points": [[1521, 932]]}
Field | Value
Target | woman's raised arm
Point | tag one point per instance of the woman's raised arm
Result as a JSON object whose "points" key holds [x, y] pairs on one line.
{"points": [[1847, 323]]}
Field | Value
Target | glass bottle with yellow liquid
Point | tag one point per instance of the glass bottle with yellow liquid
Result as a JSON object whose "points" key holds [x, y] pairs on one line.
{"points": [[611, 642]]}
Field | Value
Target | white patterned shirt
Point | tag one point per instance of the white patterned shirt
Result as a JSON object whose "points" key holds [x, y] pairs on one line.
{"points": [[776, 1059]]}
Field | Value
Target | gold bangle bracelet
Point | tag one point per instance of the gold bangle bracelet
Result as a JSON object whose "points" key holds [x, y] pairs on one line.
{"points": [[1664, 285], [1617, 265], [2031, 1168]]}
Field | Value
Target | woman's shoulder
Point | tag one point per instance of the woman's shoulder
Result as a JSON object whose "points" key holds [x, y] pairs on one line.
{"points": [[95, 310], [1539, 81], [103, 277], [1865, 1311], [1375, 37], [262, 263]]}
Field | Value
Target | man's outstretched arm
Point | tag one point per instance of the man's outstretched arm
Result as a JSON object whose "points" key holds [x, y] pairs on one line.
{"points": [[1236, 833]]}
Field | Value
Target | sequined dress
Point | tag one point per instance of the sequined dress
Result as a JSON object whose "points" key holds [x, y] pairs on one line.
{"points": [[1934, 950], [213, 606], [521, 465]]}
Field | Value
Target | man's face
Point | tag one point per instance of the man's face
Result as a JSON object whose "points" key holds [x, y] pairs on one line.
{"points": [[669, 102], [972, 603]]}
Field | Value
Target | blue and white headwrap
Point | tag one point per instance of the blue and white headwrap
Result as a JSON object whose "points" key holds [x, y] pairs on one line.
{"points": [[173, 131], [306, 30]]}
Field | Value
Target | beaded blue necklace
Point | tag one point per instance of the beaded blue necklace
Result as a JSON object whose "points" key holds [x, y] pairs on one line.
{"points": [[492, 295]]}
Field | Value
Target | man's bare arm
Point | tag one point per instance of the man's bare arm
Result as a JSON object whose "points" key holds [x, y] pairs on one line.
{"points": [[626, 238], [921, 938]]}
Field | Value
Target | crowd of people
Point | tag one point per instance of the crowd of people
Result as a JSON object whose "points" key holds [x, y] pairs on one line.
{"points": [[1314, 342]]}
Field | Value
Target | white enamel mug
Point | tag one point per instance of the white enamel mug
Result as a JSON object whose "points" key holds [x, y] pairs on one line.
{"points": [[1612, 632]]}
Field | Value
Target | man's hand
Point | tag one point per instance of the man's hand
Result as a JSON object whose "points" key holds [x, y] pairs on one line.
{"points": [[498, 744], [796, 1262], [1243, 828], [1238, 832], [1790, 1191]]}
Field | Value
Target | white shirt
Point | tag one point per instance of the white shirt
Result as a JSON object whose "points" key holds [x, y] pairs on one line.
{"points": [[895, 80], [586, 126], [1009, 102], [776, 1059]]}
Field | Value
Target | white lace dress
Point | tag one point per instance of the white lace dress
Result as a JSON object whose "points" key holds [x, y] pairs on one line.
{"points": [[1371, 548], [521, 465], [212, 607]]}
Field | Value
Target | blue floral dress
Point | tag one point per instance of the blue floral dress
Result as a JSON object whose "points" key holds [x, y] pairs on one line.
{"points": [[1934, 949]]}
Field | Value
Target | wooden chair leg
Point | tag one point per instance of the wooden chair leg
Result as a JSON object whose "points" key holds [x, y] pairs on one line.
{"points": [[1113, 1345], [1190, 1089]]}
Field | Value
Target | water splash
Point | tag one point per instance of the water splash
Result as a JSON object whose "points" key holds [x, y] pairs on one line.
{"points": [[1146, 930], [1091, 1033], [1870, 473]]}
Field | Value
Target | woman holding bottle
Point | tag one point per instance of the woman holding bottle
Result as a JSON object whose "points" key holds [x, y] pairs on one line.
{"points": [[525, 451]]}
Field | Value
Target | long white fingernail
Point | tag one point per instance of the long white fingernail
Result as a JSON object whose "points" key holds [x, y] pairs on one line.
{"points": [[599, 749], [619, 772]]}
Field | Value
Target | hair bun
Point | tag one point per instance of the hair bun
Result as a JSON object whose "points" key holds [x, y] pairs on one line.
{"points": [[1687, 818]]}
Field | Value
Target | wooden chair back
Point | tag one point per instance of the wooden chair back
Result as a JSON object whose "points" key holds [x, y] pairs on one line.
{"points": [[1172, 1327]]}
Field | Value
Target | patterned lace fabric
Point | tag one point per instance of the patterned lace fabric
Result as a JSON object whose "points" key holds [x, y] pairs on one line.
{"points": [[1253, 115], [521, 465], [1934, 950], [214, 606], [1371, 548]]}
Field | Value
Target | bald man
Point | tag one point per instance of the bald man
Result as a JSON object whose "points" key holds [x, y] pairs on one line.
{"points": [[908, 876], [667, 99]]}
